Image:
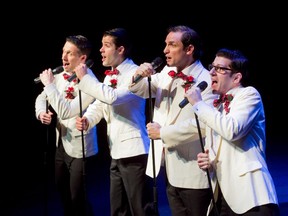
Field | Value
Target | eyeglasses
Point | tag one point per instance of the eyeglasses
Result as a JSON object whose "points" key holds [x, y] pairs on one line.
{"points": [[221, 70]]}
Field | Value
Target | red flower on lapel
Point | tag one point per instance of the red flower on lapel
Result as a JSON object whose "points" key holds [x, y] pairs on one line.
{"points": [[113, 77], [188, 80]]}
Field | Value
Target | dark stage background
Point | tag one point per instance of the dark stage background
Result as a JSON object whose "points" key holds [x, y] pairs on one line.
{"points": [[40, 35]]}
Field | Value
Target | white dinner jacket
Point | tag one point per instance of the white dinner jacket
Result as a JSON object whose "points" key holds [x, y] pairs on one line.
{"points": [[123, 111], [67, 111], [179, 133], [236, 143]]}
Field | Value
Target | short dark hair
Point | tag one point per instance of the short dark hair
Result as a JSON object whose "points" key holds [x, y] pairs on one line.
{"points": [[121, 38], [82, 43], [239, 63], [189, 36]]}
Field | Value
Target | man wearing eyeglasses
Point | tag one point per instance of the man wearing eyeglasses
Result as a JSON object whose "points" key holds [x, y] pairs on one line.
{"points": [[236, 140], [219, 69]]}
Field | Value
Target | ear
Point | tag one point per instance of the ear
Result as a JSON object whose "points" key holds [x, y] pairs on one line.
{"points": [[237, 77], [121, 49], [83, 58], [189, 49]]}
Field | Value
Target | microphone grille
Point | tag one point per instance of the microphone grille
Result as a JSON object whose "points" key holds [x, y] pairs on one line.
{"points": [[89, 63], [202, 85], [58, 70], [157, 62]]}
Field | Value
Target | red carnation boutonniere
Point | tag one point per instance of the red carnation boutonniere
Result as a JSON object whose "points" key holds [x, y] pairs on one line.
{"points": [[70, 93], [70, 90], [226, 99], [113, 83], [188, 80], [113, 77]]}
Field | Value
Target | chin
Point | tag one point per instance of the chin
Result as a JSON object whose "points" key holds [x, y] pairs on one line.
{"points": [[215, 92]]}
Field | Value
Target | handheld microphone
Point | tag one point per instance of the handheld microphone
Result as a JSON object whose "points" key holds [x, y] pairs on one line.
{"points": [[155, 64], [57, 70], [89, 64], [202, 86]]}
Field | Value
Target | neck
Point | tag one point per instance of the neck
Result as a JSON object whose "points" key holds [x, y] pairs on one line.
{"points": [[185, 65]]}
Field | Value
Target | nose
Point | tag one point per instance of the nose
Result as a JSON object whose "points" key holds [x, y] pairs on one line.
{"points": [[212, 71]]}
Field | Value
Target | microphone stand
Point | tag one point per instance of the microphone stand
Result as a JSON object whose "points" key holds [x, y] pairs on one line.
{"points": [[155, 197], [207, 171], [45, 166], [83, 153]]}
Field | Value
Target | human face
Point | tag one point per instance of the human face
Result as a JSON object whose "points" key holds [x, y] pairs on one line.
{"points": [[222, 79], [176, 55], [71, 57], [111, 56]]}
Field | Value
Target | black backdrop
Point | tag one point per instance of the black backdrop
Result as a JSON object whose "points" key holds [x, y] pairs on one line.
{"points": [[38, 38]]}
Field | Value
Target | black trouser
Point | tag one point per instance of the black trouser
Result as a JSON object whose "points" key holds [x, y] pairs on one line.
{"points": [[128, 186], [70, 183], [188, 202]]}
